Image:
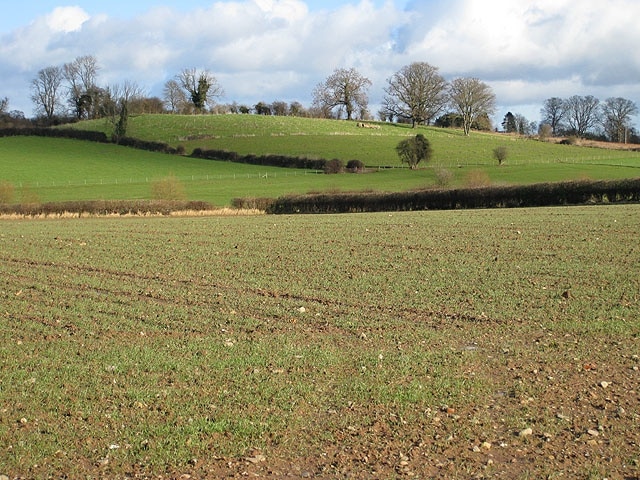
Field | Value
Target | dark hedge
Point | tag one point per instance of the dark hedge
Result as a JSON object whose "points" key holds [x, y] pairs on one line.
{"points": [[536, 195]]}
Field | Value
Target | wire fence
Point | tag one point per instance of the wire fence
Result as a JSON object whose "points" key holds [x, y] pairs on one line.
{"points": [[627, 162], [183, 178]]}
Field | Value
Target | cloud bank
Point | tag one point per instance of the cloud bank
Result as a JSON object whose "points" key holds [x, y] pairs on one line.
{"points": [[264, 50]]}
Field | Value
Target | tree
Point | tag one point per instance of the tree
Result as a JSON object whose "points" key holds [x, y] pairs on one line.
{"points": [[201, 87], [414, 150], [509, 123], [472, 99], [616, 114], [174, 96], [417, 92], [500, 153], [582, 114], [343, 89], [46, 91], [4, 105], [553, 113], [297, 110], [280, 108], [524, 126], [116, 105], [262, 108], [81, 76]]}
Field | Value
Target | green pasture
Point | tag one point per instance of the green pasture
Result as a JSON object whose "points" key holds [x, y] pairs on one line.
{"points": [[321, 138], [347, 346], [47, 169]]}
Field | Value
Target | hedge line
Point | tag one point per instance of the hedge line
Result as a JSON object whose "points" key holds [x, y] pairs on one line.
{"points": [[536, 195], [91, 136], [104, 207], [263, 160]]}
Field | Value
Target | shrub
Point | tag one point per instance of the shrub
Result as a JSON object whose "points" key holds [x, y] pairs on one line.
{"points": [[168, 188], [252, 203], [355, 166], [444, 177], [6, 192], [334, 166], [545, 131], [29, 196], [570, 140], [414, 150], [500, 153], [477, 179]]}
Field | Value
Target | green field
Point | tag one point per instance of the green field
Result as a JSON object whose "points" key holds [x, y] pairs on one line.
{"points": [[46, 169], [337, 346], [320, 138]]}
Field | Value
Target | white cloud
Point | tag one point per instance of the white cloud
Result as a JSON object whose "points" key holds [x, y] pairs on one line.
{"points": [[527, 50], [66, 19]]}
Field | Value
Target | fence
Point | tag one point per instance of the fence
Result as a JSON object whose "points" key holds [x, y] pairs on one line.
{"points": [[188, 178]]}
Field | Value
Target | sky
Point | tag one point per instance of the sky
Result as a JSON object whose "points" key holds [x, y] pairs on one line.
{"points": [[267, 50]]}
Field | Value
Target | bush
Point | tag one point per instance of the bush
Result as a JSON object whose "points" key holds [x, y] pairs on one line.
{"points": [[444, 177], [334, 166], [168, 188], [477, 179], [500, 153], [252, 203], [414, 150], [545, 132], [570, 140], [355, 166], [6, 192]]}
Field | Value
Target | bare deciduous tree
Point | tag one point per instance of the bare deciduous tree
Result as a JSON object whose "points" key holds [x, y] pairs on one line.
{"points": [[116, 103], [4, 105], [45, 90], [417, 92], [174, 97], [344, 88], [81, 75], [582, 114], [472, 99], [553, 113], [616, 114]]}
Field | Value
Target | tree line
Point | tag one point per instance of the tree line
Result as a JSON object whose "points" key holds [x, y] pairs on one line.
{"points": [[415, 94], [587, 116]]}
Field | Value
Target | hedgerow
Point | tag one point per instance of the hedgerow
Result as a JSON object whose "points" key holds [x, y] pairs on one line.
{"points": [[536, 195]]}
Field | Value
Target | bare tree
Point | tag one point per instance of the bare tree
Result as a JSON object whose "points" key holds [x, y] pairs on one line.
{"points": [[553, 113], [472, 99], [81, 76], [4, 105], [296, 109], [616, 114], [582, 114], [343, 89], [417, 92], [201, 87], [174, 97], [46, 91], [280, 108], [116, 104]]}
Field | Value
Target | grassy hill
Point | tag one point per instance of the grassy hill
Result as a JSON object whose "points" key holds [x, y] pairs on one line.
{"points": [[47, 169], [323, 138]]}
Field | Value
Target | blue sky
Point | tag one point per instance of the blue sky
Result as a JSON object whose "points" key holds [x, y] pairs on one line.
{"points": [[18, 14], [266, 50]]}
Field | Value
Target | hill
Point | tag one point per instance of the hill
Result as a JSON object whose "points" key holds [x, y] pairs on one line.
{"points": [[374, 144], [49, 169]]}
